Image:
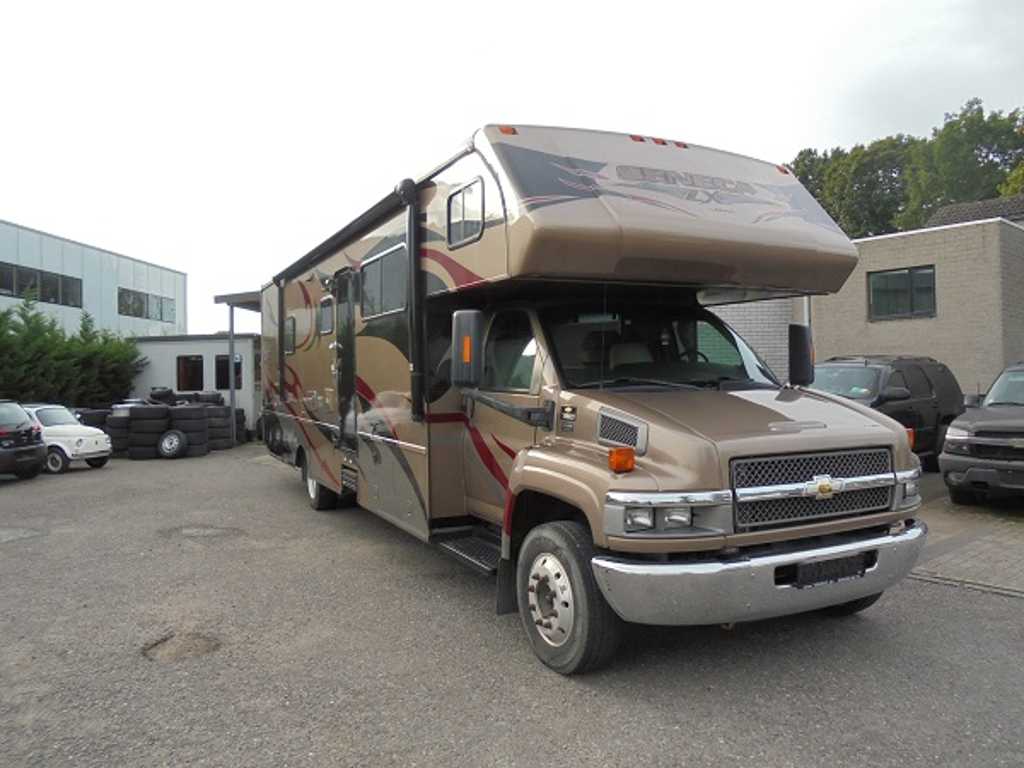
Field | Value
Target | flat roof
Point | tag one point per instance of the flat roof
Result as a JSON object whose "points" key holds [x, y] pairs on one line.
{"points": [[246, 300], [939, 228], [195, 337], [94, 247]]}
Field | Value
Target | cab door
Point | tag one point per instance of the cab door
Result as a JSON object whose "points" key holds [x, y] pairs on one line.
{"points": [[493, 438], [926, 403]]}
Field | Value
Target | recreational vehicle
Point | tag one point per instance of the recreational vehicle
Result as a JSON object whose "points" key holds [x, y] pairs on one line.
{"points": [[512, 358]]}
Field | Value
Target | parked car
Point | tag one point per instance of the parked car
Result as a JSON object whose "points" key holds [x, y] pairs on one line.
{"points": [[920, 393], [69, 440], [22, 451], [984, 450]]}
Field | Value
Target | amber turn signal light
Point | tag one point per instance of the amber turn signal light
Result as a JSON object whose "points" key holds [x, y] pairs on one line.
{"points": [[910, 437], [621, 459]]}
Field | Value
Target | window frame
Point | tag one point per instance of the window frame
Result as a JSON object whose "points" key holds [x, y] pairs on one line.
{"points": [[320, 330], [12, 267], [912, 314], [362, 292], [239, 377], [456, 244], [289, 335], [18, 290], [65, 280], [202, 371], [534, 388]]}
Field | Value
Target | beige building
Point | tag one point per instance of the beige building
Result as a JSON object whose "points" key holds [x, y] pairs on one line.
{"points": [[954, 292]]}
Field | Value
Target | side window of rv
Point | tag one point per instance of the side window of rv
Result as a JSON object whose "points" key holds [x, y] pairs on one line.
{"points": [[289, 335], [325, 320], [385, 283], [510, 353], [466, 214]]}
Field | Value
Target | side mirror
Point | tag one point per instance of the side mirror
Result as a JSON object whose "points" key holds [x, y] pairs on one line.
{"points": [[467, 348], [892, 394], [973, 401], [801, 355]]}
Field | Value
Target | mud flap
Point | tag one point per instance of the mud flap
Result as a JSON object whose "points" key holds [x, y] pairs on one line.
{"points": [[506, 586]]}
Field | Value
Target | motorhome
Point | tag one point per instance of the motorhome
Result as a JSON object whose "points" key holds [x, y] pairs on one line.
{"points": [[513, 358]]}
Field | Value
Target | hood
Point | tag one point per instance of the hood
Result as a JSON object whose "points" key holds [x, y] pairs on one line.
{"points": [[757, 421], [72, 430], [1003, 418]]}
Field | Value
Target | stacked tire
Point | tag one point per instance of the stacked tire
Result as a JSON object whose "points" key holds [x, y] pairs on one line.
{"points": [[146, 425], [220, 427], [194, 423], [93, 417], [117, 426], [241, 433]]}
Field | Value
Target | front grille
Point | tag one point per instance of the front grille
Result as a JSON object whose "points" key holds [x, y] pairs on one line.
{"points": [[998, 452], [1000, 435], [793, 511], [803, 468]]}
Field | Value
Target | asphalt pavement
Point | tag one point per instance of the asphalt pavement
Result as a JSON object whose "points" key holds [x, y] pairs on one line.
{"points": [[197, 612]]}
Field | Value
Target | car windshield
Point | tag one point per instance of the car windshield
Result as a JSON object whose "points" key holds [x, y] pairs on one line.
{"points": [[12, 415], [1008, 389], [55, 417], [601, 343], [858, 382]]}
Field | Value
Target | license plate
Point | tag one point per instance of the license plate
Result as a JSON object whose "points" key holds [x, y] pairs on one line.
{"points": [[824, 571]]}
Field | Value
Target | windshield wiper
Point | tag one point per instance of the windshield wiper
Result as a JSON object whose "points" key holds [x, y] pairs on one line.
{"points": [[1003, 402], [717, 383], [633, 380]]}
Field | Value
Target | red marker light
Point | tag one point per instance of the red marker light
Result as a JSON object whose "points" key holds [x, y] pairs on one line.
{"points": [[634, 137], [783, 169], [508, 130], [680, 144], [662, 142]]}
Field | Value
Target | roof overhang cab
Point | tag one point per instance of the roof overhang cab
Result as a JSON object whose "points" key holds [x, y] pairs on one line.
{"points": [[595, 205]]}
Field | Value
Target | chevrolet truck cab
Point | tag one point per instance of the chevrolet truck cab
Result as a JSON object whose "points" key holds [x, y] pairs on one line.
{"points": [[514, 358]]}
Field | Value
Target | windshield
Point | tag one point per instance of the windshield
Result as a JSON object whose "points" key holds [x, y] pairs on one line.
{"points": [[600, 343], [1008, 389], [858, 382], [12, 415], [55, 417]]}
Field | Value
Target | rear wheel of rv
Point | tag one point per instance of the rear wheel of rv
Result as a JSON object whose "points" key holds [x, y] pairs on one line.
{"points": [[320, 498], [570, 625]]}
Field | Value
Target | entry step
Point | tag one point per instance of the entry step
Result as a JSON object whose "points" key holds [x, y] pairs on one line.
{"points": [[479, 553]]}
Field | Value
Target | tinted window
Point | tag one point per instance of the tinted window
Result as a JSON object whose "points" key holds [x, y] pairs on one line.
{"points": [[897, 380], [190, 373], [49, 287], [12, 415], [27, 282], [371, 288], [70, 291], [855, 381], [509, 353], [394, 279], [919, 386], [1008, 389], [325, 321], [901, 293], [221, 371], [466, 214], [289, 335], [55, 417], [6, 279]]}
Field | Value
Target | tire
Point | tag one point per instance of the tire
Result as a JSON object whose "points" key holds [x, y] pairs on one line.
{"points": [[319, 498], [148, 426], [27, 473], [188, 413], [195, 451], [138, 453], [221, 433], [962, 498], [120, 445], [212, 398], [148, 412], [99, 463], [219, 423], [117, 434], [218, 411], [190, 426], [852, 607], [172, 444], [594, 628], [143, 440], [57, 462], [197, 438], [118, 422], [220, 444]]}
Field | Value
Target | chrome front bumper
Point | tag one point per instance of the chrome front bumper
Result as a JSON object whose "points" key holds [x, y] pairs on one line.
{"points": [[726, 591]]}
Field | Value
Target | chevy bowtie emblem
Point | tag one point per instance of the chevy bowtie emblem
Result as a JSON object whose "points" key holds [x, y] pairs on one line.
{"points": [[823, 487]]}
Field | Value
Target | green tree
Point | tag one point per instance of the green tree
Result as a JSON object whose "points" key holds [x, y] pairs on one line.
{"points": [[1014, 183]]}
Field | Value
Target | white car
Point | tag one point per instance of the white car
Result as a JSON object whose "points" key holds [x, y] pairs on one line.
{"points": [[69, 440]]}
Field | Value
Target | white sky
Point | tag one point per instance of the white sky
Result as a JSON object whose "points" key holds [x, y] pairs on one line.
{"points": [[227, 139]]}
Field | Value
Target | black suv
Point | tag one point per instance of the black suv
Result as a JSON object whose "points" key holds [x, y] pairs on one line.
{"points": [[22, 451], [984, 449], [921, 393]]}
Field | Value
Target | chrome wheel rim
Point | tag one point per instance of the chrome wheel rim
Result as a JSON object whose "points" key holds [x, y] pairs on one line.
{"points": [[311, 487], [550, 599], [53, 463], [171, 443]]}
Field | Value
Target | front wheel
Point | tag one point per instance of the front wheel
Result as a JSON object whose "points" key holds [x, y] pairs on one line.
{"points": [[571, 627], [962, 498], [27, 473], [320, 498], [98, 463], [56, 461]]}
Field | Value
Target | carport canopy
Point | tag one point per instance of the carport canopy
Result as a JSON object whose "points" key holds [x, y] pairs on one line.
{"points": [[249, 300]]}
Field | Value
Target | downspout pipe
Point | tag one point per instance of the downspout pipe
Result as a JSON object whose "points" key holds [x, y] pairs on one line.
{"points": [[409, 194]]}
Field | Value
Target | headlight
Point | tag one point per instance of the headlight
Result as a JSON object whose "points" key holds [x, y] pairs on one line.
{"points": [[956, 441], [955, 433], [78, 443], [639, 518], [910, 489], [676, 517]]}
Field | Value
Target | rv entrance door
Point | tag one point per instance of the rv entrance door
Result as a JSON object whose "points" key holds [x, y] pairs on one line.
{"points": [[345, 368]]}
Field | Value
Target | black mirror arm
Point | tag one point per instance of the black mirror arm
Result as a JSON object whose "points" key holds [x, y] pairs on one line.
{"points": [[535, 417]]}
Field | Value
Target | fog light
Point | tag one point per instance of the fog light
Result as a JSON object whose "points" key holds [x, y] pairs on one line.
{"points": [[639, 519], [676, 517]]}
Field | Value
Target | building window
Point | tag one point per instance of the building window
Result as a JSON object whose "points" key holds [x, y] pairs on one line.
{"points": [[144, 305], [6, 279], [153, 309], [325, 317], [167, 311], [901, 293], [27, 282], [190, 373], [289, 335], [466, 214], [49, 287], [70, 291], [221, 371]]}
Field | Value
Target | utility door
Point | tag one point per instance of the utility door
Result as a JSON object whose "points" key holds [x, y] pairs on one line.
{"points": [[493, 438]]}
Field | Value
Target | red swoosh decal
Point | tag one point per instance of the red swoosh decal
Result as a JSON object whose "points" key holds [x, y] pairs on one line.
{"points": [[508, 451], [296, 390], [479, 444], [463, 277]]}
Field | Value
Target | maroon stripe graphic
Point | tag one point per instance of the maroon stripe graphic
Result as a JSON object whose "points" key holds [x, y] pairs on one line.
{"points": [[463, 277]]}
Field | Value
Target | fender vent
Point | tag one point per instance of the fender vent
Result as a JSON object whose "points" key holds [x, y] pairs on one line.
{"points": [[616, 430]]}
